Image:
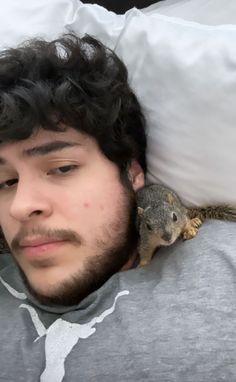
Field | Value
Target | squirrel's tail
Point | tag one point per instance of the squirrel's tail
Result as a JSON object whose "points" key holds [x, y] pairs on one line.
{"points": [[221, 212]]}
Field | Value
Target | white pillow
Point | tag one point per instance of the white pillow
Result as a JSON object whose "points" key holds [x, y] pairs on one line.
{"points": [[210, 12], [185, 75], [183, 72]]}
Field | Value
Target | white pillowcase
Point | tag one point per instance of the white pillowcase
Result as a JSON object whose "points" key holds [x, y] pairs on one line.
{"points": [[210, 12], [183, 71]]}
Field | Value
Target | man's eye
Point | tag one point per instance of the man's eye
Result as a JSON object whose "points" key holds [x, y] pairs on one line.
{"points": [[8, 183], [63, 169]]}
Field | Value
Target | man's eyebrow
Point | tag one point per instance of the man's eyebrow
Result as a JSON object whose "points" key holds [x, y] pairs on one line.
{"points": [[47, 148]]}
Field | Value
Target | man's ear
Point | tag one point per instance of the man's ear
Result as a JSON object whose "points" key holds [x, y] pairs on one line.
{"points": [[136, 175]]}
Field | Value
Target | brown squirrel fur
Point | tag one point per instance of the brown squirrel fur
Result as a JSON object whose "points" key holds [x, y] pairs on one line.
{"points": [[162, 218]]}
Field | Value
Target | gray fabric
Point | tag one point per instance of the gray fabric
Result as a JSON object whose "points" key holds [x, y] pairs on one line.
{"points": [[5, 259], [172, 321]]}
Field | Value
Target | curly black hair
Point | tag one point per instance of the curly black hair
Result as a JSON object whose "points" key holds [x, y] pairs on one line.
{"points": [[72, 81]]}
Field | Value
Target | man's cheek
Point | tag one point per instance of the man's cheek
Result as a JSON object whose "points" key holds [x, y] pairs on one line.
{"points": [[85, 212]]}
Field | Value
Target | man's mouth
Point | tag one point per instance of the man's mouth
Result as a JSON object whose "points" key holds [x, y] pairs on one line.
{"points": [[36, 241], [34, 247]]}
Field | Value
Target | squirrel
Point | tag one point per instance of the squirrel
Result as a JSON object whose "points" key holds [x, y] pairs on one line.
{"points": [[162, 218]]}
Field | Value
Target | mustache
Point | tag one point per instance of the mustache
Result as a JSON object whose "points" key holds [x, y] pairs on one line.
{"points": [[47, 233]]}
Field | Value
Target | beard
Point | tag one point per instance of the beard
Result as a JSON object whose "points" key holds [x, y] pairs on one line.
{"points": [[112, 254]]}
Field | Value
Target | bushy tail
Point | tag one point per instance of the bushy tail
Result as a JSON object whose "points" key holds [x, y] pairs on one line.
{"points": [[221, 212]]}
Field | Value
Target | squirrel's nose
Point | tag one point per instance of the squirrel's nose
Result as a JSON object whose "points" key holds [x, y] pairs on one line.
{"points": [[167, 236]]}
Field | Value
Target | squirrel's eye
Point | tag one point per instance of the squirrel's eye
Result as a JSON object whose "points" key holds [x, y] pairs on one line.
{"points": [[149, 227], [174, 217]]}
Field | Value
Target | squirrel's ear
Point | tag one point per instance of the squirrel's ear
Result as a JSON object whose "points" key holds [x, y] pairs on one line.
{"points": [[170, 198], [136, 175], [140, 211]]}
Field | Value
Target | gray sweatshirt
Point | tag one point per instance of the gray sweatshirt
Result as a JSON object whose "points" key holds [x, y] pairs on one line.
{"points": [[172, 321]]}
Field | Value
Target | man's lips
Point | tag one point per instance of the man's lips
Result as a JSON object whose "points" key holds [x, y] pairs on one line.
{"points": [[40, 247], [37, 242]]}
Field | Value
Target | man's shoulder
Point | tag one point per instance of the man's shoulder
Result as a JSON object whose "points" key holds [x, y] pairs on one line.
{"points": [[193, 265]]}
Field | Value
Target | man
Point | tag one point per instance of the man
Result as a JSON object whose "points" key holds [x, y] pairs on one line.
{"points": [[74, 307], [74, 128]]}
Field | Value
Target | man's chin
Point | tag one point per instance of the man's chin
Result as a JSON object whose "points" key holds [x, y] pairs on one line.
{"points": [[71, 290], [58, 291], [61, 292]]}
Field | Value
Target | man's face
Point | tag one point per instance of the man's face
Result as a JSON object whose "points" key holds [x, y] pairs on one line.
{"points": [[65, 213]]}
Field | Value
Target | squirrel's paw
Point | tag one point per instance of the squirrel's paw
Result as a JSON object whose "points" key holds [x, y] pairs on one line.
{"points": [[191, 228], [189, 233], [196, 222], [143, 262]]}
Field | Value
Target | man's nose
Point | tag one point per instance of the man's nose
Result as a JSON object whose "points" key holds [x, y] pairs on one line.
{"points": [[29, 201]]}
